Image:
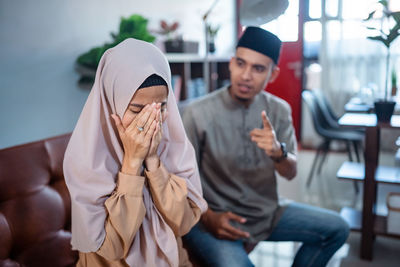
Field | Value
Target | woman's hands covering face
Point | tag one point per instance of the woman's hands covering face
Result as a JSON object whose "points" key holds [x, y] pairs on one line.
{"points": [[141, 139]]}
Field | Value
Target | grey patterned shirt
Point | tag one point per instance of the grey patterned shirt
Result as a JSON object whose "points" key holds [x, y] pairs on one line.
{"points": [[236, 174]]}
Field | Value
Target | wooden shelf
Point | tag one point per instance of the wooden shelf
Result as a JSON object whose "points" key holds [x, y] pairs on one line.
{"points": [[371, 174], [356, 171], [191, 58], [353, 218], [191, 66]]}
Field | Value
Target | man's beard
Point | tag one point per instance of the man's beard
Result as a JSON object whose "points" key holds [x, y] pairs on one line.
{"points": [[241, 99]]}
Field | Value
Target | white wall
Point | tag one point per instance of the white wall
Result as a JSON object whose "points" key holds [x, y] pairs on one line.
{"points": [[40, 41]]}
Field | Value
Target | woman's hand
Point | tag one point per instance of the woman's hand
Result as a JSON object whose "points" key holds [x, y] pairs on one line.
{"points": [[152, 160], [136, 138]]}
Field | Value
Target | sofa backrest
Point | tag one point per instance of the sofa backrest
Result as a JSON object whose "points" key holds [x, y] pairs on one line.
{"points": [[35, 206]]}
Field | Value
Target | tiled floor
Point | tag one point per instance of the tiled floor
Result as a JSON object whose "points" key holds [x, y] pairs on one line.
{"points": [[329, 192]]}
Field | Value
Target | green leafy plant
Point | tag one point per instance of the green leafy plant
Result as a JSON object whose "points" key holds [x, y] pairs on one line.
{"points": [[394, 77], [134, 26], [388, 32], [394, 82], [212, 31]]}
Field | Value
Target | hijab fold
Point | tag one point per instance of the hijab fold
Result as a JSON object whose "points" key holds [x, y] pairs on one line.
{"points": [[94, 155]]}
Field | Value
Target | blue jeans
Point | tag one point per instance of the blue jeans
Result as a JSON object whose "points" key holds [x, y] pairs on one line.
{"points": [[321, 231]]}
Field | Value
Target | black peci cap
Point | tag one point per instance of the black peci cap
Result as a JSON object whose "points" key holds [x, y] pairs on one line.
{"points": [[261, 41]]}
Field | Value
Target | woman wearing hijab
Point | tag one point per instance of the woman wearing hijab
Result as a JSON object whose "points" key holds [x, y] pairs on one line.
{"points": [[130, 169]]}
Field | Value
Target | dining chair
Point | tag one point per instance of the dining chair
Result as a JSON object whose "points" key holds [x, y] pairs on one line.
{"points": [[325, 127], [333, 120]]}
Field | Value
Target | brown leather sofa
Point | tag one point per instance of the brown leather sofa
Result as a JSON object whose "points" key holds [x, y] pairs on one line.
{"points": [[35, 206], [35, 220]]}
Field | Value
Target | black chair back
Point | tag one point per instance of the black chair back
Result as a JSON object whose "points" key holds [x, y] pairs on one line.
{"points": [[326, 109], [326, 126], [320, 121]]}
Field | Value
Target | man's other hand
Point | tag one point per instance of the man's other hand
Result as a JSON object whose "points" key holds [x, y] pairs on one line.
{"points": [[218, 223]]}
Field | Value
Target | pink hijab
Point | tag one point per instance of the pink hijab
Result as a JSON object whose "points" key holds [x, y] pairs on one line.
{"points": [[94, 155]]}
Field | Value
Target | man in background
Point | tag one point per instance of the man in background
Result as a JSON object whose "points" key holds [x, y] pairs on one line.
{"points": [[242, 136]]}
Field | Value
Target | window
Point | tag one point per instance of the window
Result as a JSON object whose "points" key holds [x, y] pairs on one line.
{"points": [[335, 36]]}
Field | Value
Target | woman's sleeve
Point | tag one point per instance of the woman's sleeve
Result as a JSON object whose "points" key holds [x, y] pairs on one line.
{"points": [[126, 211], [169, 194]]}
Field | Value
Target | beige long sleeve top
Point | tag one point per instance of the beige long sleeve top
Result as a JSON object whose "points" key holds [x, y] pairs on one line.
{"points": [[126, 212]]}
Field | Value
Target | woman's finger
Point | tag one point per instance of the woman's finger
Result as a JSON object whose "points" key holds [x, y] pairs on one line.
{"points": [[147, 118], [158, 112], [141, 119], [149, 134], [151, 129], [157, 131], [152, 117], [133, 124]]}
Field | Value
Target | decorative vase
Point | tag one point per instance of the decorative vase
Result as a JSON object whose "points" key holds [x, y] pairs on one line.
{"points": [[384, 110], [211, 47], [394, 91]]}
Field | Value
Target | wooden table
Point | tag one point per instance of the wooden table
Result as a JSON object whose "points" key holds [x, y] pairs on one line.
{"points": [[371, 173], [361, 108]]}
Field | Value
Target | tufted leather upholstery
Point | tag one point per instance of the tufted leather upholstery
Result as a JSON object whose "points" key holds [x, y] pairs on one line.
{"points": [[35, 207]]}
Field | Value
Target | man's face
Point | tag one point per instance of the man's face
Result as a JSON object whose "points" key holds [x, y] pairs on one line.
{"points": [[250, 72]]}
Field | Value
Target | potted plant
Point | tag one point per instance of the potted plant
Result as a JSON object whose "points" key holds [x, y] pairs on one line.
{"points": [[173, 42], [134, 26], [212, 33], [169, 30], [388, 32]]}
